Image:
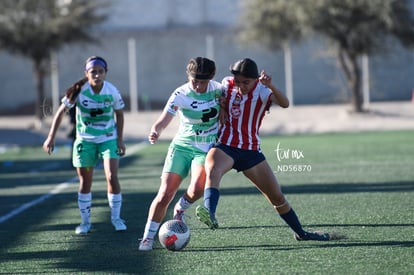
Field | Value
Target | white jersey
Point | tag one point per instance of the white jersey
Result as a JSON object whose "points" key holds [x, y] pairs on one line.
{"points": [[95, 120], [198, 113]]}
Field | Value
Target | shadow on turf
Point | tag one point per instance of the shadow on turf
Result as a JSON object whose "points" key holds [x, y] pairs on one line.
{"points": [[329, 188], [37, 165], [38, 172], [315, 225], [102, 250], [304, 245]]}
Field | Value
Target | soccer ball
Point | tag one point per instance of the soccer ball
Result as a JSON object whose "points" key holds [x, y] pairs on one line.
{"points": [[174, 235]]}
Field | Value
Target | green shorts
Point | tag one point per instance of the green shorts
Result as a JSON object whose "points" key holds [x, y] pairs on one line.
{"points": [[86, 154], [179, 160]]}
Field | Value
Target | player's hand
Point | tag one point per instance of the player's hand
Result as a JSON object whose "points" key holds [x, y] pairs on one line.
{"points": [[49, 145], [153, 137], [265, 79], [121, 149]]}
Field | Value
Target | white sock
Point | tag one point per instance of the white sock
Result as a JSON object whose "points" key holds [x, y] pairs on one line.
{"points": [[84, 204], [151, 229], [182, 204], [115, 203]]}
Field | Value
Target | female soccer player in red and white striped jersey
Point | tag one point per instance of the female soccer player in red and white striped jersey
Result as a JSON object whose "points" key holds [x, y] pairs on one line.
{"points": [[248, 96]]}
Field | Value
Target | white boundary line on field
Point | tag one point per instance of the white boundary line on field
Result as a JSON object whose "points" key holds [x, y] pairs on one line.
{"points": [[61, 186]]}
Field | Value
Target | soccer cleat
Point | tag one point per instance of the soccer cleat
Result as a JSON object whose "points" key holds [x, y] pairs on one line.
{"points": [[83, 228], [204, 216], [119, 224], [313, 236], [146, 244], [179, 215]]}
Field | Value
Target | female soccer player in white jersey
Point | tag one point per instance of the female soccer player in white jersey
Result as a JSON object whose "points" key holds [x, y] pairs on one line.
{"points": [[248, 96], [197, 105], [98, 135]]}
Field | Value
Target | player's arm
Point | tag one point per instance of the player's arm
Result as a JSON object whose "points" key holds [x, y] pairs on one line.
{"points": [[162, 122], [223, 114], [277, 96], [49, 143], [119, 115]]}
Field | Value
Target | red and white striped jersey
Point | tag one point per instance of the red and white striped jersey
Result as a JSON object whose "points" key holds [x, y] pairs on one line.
{"points": [[246, 114]]}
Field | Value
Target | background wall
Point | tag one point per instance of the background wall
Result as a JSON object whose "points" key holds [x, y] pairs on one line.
{"points": [[170, 32]]}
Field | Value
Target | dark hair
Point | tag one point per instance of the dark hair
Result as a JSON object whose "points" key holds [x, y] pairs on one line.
{"points": [[96, 60], [245, 67], [201, 68], [73, 91]]}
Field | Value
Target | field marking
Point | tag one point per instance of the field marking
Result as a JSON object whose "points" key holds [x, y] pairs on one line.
{"points": [[62, 186]]}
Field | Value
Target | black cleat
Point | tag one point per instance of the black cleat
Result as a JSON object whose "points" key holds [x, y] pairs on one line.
{"points": [[313, 236]]}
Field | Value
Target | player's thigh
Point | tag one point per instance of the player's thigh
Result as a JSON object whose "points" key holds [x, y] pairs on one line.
{"points": [[198, 172], [218, 162], [263, 177]]}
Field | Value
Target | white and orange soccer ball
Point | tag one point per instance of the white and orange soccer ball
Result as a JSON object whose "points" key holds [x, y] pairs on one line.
{"points": [[174, 235]]}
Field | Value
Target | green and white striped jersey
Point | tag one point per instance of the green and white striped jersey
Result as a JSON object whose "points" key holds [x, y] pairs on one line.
{"points": [[198, 114], [95, 121]]}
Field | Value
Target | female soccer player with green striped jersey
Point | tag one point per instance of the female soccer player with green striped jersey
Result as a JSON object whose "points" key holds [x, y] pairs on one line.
{"points": [[99, 134], [197, 104]]}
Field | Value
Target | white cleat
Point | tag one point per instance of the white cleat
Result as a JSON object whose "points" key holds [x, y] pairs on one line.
{"points": [[83, 228], [119, 224], [146, 244]]}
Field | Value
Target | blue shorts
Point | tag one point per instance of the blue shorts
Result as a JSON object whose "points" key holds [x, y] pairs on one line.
{"points": [[243, 159]]}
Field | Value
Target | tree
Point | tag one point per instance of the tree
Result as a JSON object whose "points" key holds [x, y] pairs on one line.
{"points": [[35, 29], [353, 27], [276, 25]]}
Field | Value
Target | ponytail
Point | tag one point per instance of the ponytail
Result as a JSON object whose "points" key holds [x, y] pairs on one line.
{"points": [[73, 91]]}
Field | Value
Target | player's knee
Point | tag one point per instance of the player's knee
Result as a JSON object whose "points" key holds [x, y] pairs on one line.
{"points": [[165, 198]]}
